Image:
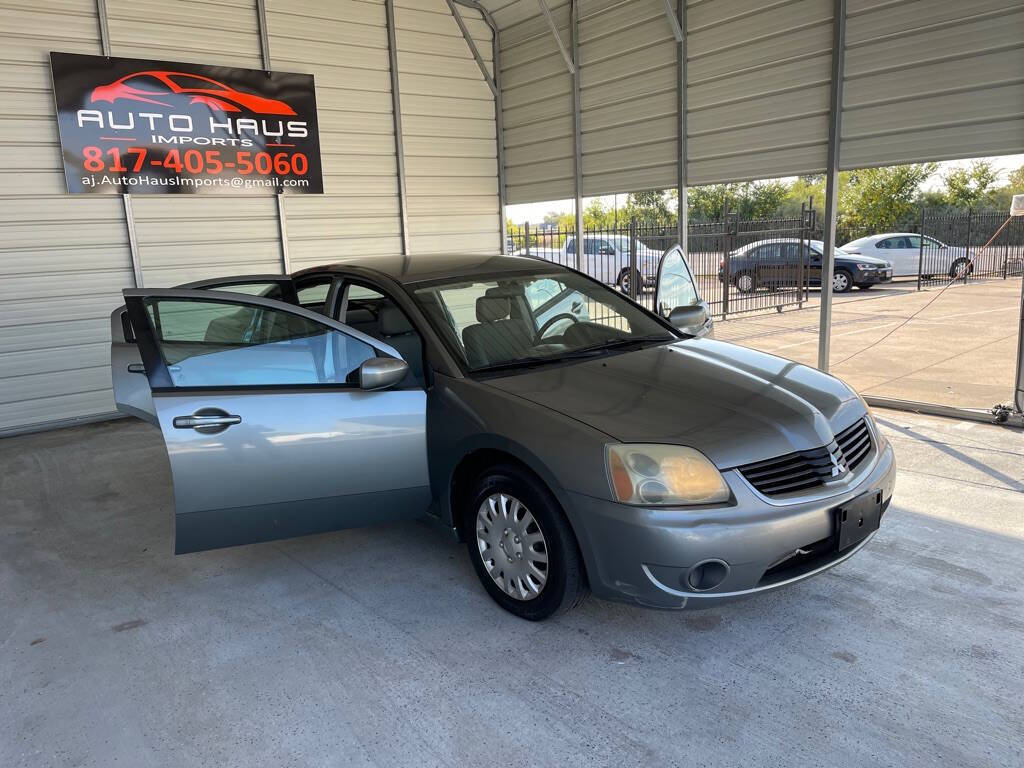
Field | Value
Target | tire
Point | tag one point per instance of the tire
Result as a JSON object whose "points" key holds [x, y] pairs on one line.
{"points": [[490, 516], [745, 282], [622, 281], [958, 265], [842, 281]]}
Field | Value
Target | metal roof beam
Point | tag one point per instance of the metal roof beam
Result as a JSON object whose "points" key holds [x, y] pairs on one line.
{"points": [[569, 62], [673, 21], [472, 48]]}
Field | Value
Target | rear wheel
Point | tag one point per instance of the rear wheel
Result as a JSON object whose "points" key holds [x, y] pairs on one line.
{"points": [[961, 268], [521, 545], [626, 277], [745, 282], [842, 281]]}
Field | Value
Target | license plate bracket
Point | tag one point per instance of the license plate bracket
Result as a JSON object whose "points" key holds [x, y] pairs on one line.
{"points": [[858, 518]]}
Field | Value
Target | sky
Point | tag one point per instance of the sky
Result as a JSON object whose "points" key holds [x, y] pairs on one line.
{"points": [[537, 211]]}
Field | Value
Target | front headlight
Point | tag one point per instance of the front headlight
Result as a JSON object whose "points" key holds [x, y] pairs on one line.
{"points": [[665, 475], [867, 266]]}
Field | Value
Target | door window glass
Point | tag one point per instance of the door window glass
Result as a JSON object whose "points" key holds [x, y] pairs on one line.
{"points": [[218, 344], [264, 290], [540, 292], [313, 294], [369, 311], [676, 288], [915, 241]]}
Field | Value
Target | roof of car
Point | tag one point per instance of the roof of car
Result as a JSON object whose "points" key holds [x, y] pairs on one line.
{"points": [[416, 269]]}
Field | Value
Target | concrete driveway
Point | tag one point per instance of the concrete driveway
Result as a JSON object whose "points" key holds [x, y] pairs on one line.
{"points": [[379, 647]]}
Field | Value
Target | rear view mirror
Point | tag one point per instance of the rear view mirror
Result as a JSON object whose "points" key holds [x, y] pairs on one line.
{"points": [[688, 319], [381, 372]]}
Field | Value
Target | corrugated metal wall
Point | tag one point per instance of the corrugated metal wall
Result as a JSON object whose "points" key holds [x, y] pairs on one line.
{"points": [[537, 104], [448, 125], [344, 45], [932, 80], [924, 80], [64, 259]]}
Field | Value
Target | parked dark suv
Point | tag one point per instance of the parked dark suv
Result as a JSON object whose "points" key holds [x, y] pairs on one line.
{"points": [[778, 263]]}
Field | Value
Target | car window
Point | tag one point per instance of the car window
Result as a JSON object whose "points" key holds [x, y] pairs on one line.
{"points": [[885, 243], [376, 314], [791, 252], [930, 243], [570, 246], [491, 322], [313, 293], [913, 242], [540, 292], [265, 290], [215, 344], [676, 288], [767, 252]]}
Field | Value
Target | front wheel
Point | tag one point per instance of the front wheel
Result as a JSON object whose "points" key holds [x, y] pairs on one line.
{"points": [[842, 281], [961, 268], [625, 279], [745, 282], [521, 545]]}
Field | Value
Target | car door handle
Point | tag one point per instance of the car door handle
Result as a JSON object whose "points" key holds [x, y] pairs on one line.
{"points": [[136, 368], [577, 306], [198, 421]]}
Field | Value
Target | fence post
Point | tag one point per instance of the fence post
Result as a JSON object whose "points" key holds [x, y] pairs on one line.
{"points": [[805, 237], [634, 274], [1006, 256], [727, 261], [967, 247], [526, 235], [920, 254]]}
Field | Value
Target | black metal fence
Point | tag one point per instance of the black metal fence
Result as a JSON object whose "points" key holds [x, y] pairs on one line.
{"points": [[743, 266]]}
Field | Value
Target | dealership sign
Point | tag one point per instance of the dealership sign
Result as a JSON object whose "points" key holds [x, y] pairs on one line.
{"points": [[130, 125]]}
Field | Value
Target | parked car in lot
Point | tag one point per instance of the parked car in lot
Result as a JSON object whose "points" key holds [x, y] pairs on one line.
{"points": [[607, 258], [619, 452], [781, 262], [904, 250]]}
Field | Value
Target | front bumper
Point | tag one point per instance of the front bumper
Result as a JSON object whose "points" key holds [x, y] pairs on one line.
{"points": [[872, 277], [644, 555]]}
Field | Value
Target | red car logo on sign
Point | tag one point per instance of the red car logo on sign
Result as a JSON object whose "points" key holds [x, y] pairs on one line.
{"points": [[163, 88]]}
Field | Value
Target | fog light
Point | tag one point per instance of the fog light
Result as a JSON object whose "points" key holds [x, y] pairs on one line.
{"points": [[707, 575]]}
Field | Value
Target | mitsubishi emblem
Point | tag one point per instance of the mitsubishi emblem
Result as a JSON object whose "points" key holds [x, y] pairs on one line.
{"points": [[838, 465]]}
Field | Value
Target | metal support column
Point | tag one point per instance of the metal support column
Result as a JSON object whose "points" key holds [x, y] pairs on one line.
{"points": [[832, 180], [282, 227], [683, 203], [1018, 397], [493, 80], [396, 108], [126, 199], [577, 128]]}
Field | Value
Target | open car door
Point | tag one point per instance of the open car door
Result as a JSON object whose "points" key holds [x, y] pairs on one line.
{"points": [[676, 297], [268, 429], [131, 390]]}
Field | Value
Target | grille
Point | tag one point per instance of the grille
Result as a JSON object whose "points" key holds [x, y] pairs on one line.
{"points": [[809, 469]]}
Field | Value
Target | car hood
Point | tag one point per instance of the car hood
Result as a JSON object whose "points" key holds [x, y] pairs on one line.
{"points": [[856, 258], [734, 404]]}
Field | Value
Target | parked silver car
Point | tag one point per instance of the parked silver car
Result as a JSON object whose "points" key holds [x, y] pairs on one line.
{"points": [[609, 452]]}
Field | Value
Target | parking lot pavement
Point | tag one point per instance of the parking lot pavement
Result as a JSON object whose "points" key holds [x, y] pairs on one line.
{"points": [[379, 647], [961, 350]]}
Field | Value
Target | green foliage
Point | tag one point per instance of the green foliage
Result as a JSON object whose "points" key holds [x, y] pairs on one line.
{"points": [[1016, 181], [881, 199], [652, 207], [972, 186]]}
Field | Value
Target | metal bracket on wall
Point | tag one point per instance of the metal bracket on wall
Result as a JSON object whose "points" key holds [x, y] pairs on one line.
{"points": [[673, 21], [396, 108], [133, 243], [472, 47], [569, 62]]}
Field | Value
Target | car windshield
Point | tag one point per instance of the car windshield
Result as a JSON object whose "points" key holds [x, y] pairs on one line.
{"points": [[523, 320]]}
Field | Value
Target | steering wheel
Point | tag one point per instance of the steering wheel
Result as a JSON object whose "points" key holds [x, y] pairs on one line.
{"points": [[552, 320]]}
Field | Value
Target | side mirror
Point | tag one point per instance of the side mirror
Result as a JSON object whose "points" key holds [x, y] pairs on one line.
{"points": [[381, 372], [688, 319]]}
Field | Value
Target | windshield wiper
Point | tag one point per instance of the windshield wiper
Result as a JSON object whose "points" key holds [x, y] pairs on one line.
{"points": [[630, 341], [583, 352]]}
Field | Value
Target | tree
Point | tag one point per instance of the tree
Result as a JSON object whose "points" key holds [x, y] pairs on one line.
{"points": [[651, 207], [968, 187], [880, 199], [1016, 181]]}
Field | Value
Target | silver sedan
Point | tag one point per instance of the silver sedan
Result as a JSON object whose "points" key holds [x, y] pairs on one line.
{"points": [[575, 441]]}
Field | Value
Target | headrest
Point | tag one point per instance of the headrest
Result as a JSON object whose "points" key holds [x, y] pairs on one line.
{"points": [[515, 289], [393, 321], [358, 316], [492, 308]]}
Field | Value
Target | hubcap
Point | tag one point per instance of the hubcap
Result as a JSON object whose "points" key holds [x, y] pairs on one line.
{"points": [[746, 283], [839, 282], [512, 547]]}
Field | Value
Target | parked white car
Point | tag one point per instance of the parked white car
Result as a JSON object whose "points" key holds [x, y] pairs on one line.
{"points": [[903, 250], [606, 258]]}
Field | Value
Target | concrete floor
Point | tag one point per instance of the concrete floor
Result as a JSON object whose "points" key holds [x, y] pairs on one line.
{"points": [[379, 647], [961, 350]]}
